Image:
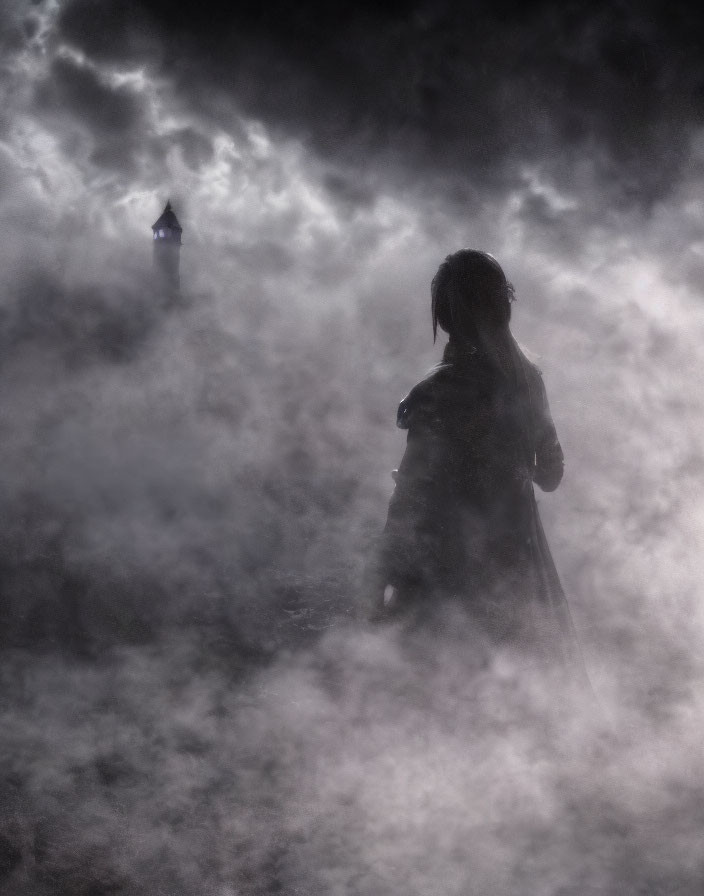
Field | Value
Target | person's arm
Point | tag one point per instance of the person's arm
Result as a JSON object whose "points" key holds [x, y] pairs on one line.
{"points": [[549, 459], [400, 554], [408, 507]]}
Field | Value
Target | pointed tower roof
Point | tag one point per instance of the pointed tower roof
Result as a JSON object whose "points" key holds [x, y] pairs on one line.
{"points": [[167, 219]]}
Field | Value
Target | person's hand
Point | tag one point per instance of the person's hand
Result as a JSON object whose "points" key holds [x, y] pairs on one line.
{"points": [[390, 597], [386, 607]]}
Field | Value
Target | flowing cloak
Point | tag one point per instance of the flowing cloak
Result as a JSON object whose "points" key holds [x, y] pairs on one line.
{"points": [[463, 521]]}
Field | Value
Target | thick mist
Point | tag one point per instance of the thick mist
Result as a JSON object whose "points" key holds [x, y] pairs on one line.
{"points": [[192, 701]]}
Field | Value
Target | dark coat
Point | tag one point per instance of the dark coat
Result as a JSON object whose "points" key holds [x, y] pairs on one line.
{"points": [[463, 521]]}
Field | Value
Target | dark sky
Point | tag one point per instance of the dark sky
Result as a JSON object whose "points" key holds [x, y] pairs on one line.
{"points": [[223, 465], [468, 92]]}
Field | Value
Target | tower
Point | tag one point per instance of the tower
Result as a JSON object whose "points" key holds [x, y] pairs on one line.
{"points": [[167, 247]]}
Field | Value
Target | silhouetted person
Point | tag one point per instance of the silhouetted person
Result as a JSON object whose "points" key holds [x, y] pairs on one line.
{"points": [[463, 522]]}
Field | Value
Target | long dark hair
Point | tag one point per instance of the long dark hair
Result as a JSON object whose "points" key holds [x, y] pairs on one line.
{"points": [[469, 287]]}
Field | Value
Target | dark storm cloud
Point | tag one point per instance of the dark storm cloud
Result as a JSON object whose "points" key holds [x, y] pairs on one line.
{"points": [[477, 91], [79, 92], [112, 31], [76, 98], [195, 147], [349, 189], [13, 29], [8, 170]]}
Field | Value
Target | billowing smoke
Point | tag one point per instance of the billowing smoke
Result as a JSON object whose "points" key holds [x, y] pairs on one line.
{"points": [[192, 485]]}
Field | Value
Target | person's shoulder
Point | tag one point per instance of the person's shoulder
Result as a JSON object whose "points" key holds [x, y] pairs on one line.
{"points": [[531, 362], [422, 401]]}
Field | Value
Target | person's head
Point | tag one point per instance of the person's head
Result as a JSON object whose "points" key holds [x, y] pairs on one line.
{"points": [[470, 293]]}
